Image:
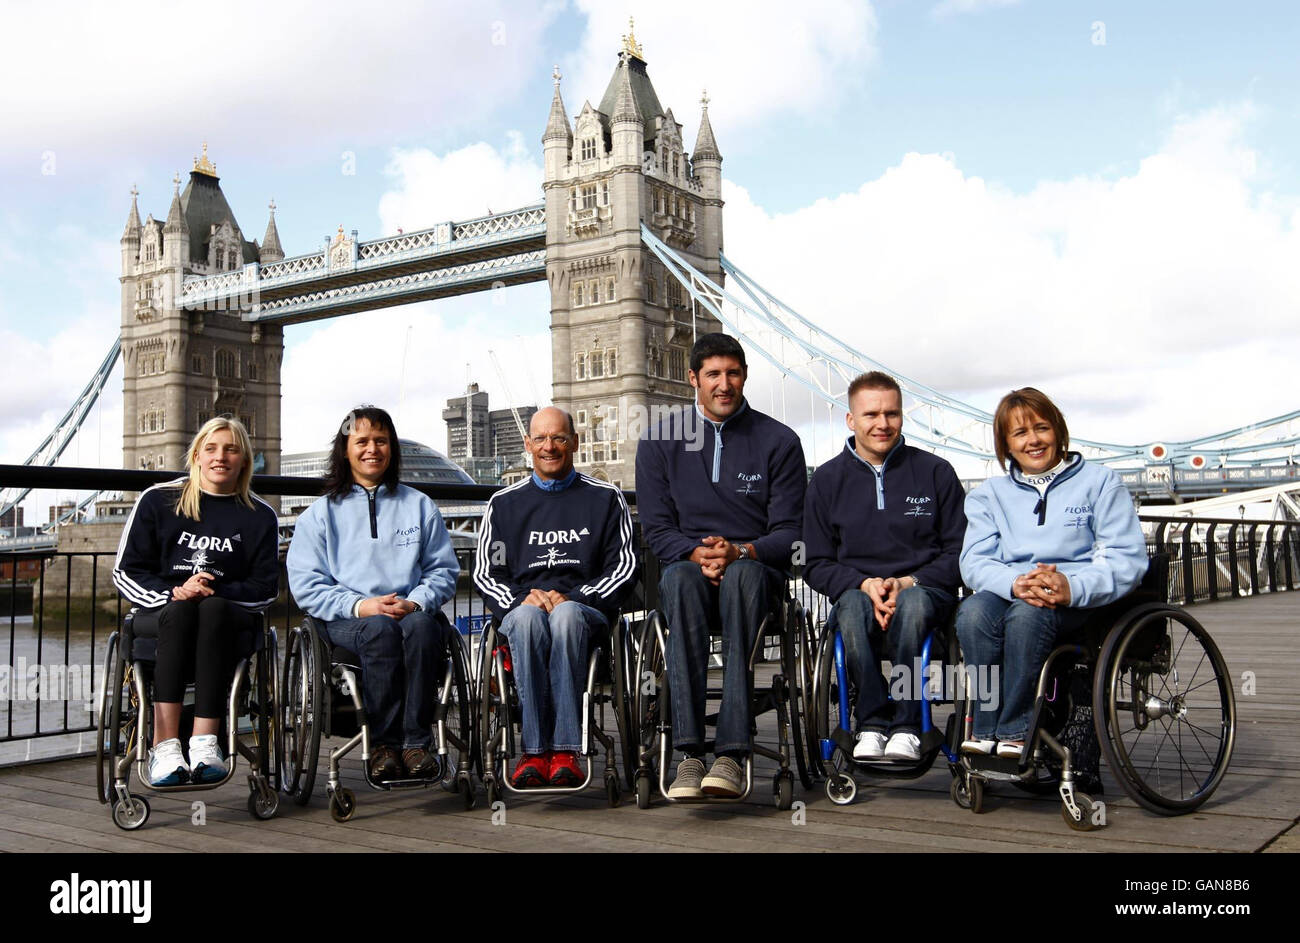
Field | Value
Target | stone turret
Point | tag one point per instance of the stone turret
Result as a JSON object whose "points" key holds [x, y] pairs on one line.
{"points": [[183, 366], [621, 327], [131, 235], [270, 250], [557, 140]]}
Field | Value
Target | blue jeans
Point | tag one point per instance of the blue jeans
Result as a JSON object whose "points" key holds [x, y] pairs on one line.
{"points": [[1017, 637], [549, 655], [692, 606], [402, 664], [920, 609]]}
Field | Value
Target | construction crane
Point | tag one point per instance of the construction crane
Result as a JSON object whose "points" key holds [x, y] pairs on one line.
{"points": [[519, 423]]}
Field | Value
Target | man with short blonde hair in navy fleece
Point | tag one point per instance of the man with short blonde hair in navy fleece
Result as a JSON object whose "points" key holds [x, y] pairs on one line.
{"points": [[555, 559], [720, 492], [883, 528]]}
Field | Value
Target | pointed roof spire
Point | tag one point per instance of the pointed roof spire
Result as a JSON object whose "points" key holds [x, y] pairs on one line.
{"points": [[705, 145], [625, 107], [175, 215], [557, 126], [271, 241], [132, 230]]}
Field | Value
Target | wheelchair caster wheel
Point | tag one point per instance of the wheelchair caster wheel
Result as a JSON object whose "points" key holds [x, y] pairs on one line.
{"points": [[1087, 808], [783, 790], [131, 816], [494, 792], [612, 791], [841, 788], [466, 789], [342, 805], [643, 790], [968, 793], [263, 809]]}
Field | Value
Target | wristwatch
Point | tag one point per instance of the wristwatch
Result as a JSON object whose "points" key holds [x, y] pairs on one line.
{"points": [[742, 551]]}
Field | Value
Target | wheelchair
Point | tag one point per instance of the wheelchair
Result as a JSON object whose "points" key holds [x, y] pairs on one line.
{"points": [[322, 697], [500, 720], [786, 630], [834, 694], [124, 727], [1161, 707]]}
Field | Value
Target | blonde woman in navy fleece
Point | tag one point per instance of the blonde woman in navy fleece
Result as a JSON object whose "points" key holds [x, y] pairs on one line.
{"points": [[198, 556]]}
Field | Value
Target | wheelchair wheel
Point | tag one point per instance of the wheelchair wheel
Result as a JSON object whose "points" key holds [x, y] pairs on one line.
{"points": [[459, 719], [131, 815], [621, 654], [1086, 810], [1164, 710], [649, 704], [302, 704], [793, 645], [826, 710], [493, 715], [841, 788], [967, 792], [343, 805], [263, 809], [108, 737]]}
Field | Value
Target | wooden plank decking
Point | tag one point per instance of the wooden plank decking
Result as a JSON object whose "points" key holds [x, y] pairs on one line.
{"points": [[52, 807]]}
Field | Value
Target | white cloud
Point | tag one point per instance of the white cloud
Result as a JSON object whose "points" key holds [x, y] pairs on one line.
{"points": [[1158, 305], [431, 188], [948, 8], [757, 60], [274, 75], [409, 360]]}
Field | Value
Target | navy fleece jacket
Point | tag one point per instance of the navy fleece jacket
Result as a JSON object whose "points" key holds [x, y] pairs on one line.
{"points": [[905, 521], [743, 479], [575, 539]]}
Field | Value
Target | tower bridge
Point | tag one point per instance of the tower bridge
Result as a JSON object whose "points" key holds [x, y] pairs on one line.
{"points": [[629, 238]]}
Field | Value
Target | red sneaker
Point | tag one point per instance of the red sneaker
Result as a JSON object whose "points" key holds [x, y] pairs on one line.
{"points": [[531, 771], [565, 770]]}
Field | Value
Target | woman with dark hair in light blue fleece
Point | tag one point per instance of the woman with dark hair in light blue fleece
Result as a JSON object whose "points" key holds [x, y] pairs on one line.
{"points": [[1053, 538]]}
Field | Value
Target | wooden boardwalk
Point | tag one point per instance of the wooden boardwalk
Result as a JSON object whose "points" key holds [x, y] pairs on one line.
{"points": [[52, 807]]}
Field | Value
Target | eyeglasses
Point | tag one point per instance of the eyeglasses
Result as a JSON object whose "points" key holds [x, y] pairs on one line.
{"points": [[540, 440]]}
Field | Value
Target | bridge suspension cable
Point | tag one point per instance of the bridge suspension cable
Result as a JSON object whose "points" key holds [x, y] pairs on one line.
{"points": [[50, 450], [825, 365]]}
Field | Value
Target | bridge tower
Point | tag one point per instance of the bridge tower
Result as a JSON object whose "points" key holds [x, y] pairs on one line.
{"points": [[621, 326], [180, 368]]}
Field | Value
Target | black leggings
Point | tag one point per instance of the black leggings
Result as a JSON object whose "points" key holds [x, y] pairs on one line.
{"points": [[197, 637]]}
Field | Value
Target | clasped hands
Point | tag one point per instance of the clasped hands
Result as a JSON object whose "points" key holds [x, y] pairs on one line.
{"points": [[714, 555], [883, 593], [1042, 586], [196, 587], [544, 599], [390, 604]]}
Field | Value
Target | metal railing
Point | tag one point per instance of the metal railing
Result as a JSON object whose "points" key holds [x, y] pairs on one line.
{"points": [[61, 606]]}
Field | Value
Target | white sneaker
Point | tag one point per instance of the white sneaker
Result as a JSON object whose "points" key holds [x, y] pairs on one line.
{"points": [[206, 762], [870, 745], [1011, 749], [167, 766], [978, 747], [903, 746]]}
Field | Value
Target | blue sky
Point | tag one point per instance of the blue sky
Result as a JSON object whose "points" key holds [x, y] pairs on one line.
{"points": [[927, 178]]}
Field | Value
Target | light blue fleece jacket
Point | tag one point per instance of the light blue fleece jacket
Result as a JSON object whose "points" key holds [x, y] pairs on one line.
{"points": [[1085, 524], [371, 544]]}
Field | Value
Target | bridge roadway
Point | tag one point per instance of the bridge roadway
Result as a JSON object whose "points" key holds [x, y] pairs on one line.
{"points": [[52, 807]]}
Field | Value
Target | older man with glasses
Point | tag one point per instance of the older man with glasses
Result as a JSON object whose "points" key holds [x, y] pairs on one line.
{"points": [[555, 559]]}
